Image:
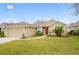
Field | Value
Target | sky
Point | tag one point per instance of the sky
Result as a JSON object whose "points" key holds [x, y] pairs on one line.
{"points": [[31, 12]]}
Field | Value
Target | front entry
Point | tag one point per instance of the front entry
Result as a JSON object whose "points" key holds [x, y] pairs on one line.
{"points": [[45, 30]]}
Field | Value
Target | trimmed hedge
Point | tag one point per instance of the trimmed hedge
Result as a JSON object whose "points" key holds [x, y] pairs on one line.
{"points": [[2, 34]]}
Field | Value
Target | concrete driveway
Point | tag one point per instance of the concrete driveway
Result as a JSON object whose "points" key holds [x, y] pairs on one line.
{"points": [[7, 39]]}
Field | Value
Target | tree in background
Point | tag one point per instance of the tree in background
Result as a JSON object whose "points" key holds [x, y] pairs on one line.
{"points": [[76, 9]]}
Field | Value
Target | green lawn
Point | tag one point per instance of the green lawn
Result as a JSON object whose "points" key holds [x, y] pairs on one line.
{"points": [[43, 46]]}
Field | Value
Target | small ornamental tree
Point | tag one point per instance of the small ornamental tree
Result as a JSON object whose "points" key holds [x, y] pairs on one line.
{"points": [[58, 30]]}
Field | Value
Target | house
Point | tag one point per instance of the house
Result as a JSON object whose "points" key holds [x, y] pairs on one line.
{"points": [[26, 29], [18, 29], [39, 25], [48, 27]]}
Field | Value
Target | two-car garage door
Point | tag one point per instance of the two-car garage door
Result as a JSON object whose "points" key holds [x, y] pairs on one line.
{"points": [[18, 32], [12, 32]]}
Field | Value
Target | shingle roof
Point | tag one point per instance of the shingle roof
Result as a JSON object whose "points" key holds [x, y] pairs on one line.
{"points": [[74, 24], [36, 24], [15, 24], [51, 22], [39, 23], [46, 23]]}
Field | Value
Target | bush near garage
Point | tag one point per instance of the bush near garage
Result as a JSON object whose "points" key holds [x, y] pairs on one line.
{"points": [[2, 34], [40, 33]]}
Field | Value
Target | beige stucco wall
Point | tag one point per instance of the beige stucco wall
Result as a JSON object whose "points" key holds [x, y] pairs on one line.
{"points": [[29, 31], [43, 30]]}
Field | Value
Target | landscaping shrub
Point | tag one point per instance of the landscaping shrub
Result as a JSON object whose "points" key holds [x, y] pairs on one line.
{"points": [[58, 30], [74, 32], [71, 32], [1, 34], [40, 33]]}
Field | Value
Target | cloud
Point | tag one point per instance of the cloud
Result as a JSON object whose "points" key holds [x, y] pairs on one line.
{"points": [[10, 7], [45, 18], [36, 17]]}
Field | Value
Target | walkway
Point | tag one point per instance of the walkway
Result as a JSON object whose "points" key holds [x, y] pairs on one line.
{"points": [[33, 38]]}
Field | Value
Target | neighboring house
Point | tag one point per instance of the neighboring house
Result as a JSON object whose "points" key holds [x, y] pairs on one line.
{"points": [[73, 26], [48, 27], [18, 29]]}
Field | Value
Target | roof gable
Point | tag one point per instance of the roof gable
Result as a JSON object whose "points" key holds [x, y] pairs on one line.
{"points": [[39, 23], [53, 22], [74, 24]]}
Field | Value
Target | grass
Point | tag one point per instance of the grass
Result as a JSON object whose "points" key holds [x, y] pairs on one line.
{"points": [[34, 36], [44, 46]]}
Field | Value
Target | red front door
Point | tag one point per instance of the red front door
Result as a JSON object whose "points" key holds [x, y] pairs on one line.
{"points": [[46, 31]]}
